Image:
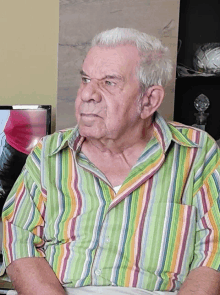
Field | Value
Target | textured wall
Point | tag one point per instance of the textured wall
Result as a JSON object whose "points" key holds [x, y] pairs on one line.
{"points": [[80, 20]]}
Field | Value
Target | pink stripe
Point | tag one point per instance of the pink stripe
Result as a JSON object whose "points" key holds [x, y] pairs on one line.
{"points": [[10, 240], [205, 209], [43, 190], [73, 222], [207, 240], [64, 261], [160, 133], [197, 136], [78, 142], [185, 230], [18, 200], [79, 202], [193, 153]]}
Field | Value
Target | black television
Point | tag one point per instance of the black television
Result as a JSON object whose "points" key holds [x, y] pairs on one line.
{"points": [[21, 127]]}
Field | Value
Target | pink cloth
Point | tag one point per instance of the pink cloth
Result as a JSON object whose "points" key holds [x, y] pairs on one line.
{"points": [[24, 129]]}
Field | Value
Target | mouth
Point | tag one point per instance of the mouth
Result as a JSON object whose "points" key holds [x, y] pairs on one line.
{"points": [[88, 120], [89, 115]]}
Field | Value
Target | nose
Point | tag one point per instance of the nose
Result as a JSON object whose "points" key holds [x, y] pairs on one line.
{"points": [[90, 92]]}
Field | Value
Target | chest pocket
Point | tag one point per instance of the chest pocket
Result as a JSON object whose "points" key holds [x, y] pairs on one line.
{"points": [[170, 234]]}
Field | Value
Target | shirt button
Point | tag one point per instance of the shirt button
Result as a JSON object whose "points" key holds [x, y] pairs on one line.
{"points": [[98, 272], [107, 240]]}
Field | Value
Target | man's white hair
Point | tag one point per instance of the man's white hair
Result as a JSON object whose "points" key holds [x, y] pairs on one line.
{"points": [[155, 66]]}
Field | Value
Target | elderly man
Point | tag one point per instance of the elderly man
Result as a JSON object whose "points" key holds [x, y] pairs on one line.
{"points": [[124, 202]]}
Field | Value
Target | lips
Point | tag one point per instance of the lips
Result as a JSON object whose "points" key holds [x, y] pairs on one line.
{"points": [[88, 120], [89, 115]]}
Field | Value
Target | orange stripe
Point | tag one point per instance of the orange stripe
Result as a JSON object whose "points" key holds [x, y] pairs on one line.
{"points": [[186, 165], [5, 241], [146, 171], [190, 133], [69, 219], [60, 260], [178, 238], [215, 238], [177, 245], [209, 193], [111, 193], [72, 196], [18, 192]]}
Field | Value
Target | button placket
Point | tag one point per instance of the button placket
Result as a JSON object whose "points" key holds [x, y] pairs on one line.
{"points": [[98, 272]]}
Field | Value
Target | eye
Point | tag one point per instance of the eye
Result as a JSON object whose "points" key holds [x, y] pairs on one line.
{"points": [[109, 83], [85, 80]]}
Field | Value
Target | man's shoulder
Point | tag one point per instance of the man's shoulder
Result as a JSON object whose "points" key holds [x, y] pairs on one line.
{"points": [[183, 135], [63, 134], [183, 127], [59, 139], [197, 136], [200, 147]]}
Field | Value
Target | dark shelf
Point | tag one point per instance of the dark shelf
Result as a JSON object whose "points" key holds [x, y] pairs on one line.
{"points": [[199, 23], [187, 89]]}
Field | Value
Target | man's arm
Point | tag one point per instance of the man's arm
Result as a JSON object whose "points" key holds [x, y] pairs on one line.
{"points": [[201, 281], [34, 276]]}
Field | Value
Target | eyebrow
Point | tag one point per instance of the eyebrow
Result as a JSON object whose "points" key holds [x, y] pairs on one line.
{"points": [[118, 77], [82, 73]]}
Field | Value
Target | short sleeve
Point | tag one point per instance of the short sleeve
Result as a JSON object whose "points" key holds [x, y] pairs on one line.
{"points": [[207, 202], [23, 215]]}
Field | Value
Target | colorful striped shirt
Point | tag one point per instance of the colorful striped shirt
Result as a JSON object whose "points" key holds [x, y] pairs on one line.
{"points": [[163, 222]]}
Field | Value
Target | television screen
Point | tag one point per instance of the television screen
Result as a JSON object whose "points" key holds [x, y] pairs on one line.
{"points": [[21, 127]]}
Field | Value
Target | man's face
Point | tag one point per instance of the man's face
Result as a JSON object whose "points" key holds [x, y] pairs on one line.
{"points": [[107, 103]]}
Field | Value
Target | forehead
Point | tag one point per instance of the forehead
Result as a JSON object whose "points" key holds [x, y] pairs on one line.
{"points": [[103, 60]]}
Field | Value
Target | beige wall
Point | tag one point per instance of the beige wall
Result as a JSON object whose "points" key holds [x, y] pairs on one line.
{"points": [[80, 20], [28, 52]]}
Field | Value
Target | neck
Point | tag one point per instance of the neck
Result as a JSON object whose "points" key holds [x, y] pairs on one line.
{"points": [[135, 140], [116, 157]]}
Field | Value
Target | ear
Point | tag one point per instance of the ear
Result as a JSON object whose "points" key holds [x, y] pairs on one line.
{"points": [[151, 100]]}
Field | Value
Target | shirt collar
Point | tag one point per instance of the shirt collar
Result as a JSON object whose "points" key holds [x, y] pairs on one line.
{"points": [[71, 138], [163, 131]]}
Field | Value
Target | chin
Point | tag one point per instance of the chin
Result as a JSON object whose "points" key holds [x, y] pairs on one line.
{"points": [[91, 132]]}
